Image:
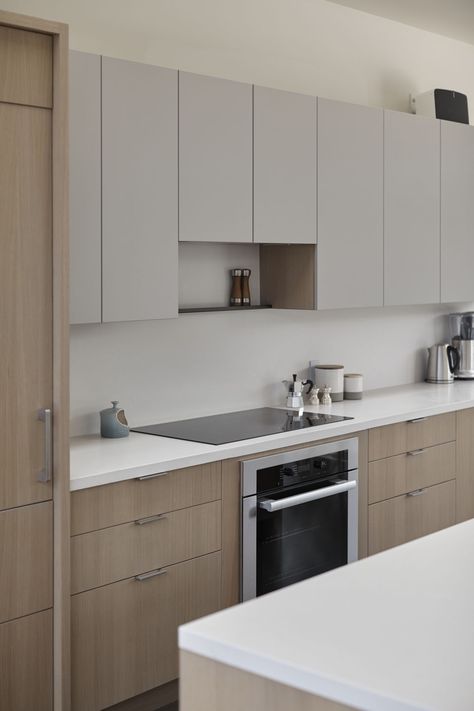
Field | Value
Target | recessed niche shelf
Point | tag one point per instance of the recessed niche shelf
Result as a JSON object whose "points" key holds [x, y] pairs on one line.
{"points": [[207, 309]]}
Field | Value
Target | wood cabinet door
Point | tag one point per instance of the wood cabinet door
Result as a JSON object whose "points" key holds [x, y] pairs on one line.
{"points": [[411, 209], [26, 315], [464, 465], [26, 663], [350, 206], [124, 635], [139, 191], [85, 211], [215, 159], [457, 211], [284, 167]]}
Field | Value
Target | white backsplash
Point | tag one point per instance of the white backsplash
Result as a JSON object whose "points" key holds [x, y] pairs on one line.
{"points": [[206, 363]]}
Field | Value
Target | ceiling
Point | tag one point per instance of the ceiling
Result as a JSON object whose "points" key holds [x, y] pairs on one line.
{"points": [[453, 18]]}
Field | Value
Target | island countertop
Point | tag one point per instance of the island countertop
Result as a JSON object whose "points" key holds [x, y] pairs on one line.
{"points": [[393, 632], [96, 461]]}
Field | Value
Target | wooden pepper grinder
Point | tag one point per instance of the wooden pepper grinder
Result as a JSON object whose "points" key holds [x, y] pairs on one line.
{"points": [[246, 287], [236, 291]]}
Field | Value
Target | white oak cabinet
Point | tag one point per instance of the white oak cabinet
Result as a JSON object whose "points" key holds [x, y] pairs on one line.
{"points": [[350, 206], [215, 159], [139, 191], [457, 212], [85, 229], [284, 156], [411, 209]]}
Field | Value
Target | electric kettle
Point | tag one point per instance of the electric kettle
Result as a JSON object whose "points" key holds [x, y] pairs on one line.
{"points": [[442, 362]]}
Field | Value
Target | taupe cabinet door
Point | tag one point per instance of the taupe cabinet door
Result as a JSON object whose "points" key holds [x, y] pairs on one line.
{"points": [[215, 160], [139, 191], [412, 209], [284, 167], [26, 315], [457, 212], [85, 188], [350, 206]]}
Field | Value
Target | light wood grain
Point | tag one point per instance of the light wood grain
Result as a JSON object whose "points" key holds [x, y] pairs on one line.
{"points": [[287, 276], [26, 67], [405, 472], [26, 300], [404, 518], [464, 465], [125, 501], [26, 560], [124, 635], [26, 652], [206, 685], [119, 552], [403, 437]]}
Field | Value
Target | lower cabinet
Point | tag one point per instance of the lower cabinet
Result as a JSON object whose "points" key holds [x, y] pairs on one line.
{"points": [[124, 635], [26, 671]]}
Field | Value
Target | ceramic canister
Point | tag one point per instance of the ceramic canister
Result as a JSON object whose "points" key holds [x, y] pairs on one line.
{"points": [[113, 422], [353, 386], [333, 377]]}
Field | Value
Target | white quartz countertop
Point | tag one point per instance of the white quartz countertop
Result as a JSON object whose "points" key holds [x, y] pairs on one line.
{"points": [[96, 461], [394, 632]]}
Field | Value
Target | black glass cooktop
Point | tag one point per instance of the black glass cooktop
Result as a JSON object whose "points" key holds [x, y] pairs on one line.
{"points": [[235, 426]]}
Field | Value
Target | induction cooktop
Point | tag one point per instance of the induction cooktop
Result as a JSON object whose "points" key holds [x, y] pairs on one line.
{"points": [[236, 426]]}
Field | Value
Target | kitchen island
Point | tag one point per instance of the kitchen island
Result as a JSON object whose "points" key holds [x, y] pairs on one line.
{"points": [[393, 632]]}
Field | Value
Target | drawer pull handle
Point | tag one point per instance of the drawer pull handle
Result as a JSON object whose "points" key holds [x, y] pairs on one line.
{"points": [[417, 419], [151, 574], [151, 476], [150, 519], [417, 492], [415, 452]]}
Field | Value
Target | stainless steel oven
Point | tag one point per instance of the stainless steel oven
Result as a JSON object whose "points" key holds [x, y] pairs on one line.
{"points": [[299, 515]]}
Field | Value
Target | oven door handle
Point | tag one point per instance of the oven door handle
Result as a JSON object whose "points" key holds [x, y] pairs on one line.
{"points": [[272, 505]]}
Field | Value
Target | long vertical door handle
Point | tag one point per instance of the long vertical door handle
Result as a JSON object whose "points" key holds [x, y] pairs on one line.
{"points": [[46, 473]]}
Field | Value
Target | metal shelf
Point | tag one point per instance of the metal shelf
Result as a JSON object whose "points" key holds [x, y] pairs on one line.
{"points": [[209, 309]]}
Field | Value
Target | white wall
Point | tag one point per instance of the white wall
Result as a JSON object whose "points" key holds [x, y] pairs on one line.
{"points": [[206, 363]]}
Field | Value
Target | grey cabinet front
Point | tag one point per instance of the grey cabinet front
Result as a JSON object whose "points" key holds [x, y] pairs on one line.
{"points": [[412, 209], [457, 212], [284, 167], [215, 159], [350, 206]]}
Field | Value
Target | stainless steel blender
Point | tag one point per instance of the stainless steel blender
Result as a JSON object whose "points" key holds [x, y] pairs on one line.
{"points": [[461, 327]]}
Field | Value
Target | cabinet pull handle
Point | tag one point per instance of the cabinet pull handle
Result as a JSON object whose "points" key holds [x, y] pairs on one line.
{"points": [[150, 519], [417, 419], [45, 474], [151, 574], [415, 452], [417, 492], [151, 476]]}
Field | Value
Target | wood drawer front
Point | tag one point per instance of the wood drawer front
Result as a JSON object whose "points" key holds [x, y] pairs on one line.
{"points": [[26, 560], [111, 554], [111, 504], [403, 437], [124, 635], [407, 517], [26, 654], [414, 470]]}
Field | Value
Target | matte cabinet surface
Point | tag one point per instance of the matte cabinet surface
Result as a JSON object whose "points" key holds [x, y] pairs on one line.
{"points": [[350, 206], [411, 209], [139, 191], [457, 212], [85, 215], [284, 167], [215, 159]]}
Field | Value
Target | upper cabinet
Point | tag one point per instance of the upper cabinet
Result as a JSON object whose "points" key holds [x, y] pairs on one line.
{"points": [[412, 209], [457, 212], [284, 167], [139, 191], [84, 188], [215, 160], [350, 206]]}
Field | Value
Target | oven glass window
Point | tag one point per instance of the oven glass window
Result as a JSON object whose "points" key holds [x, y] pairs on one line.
{"points": [[300, 541]]}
